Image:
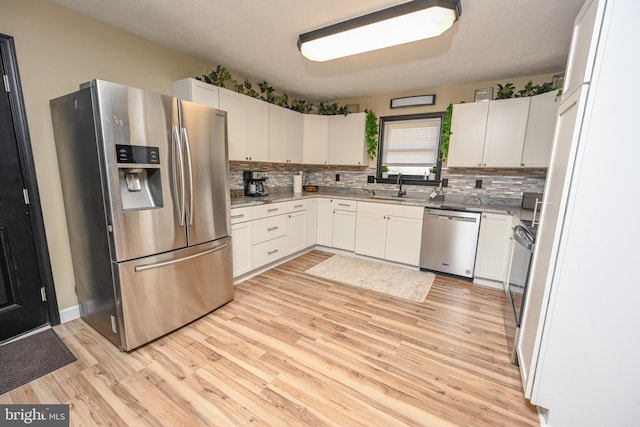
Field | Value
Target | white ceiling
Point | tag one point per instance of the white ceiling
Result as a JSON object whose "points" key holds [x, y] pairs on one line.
{"points": [[493, 39]]}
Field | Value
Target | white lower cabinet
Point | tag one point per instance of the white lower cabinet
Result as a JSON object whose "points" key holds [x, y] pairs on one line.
{"points": [[390, 232], [241, 243], [336, 223], [494, 243], [301, 225], [266, 233], [344, 229]]}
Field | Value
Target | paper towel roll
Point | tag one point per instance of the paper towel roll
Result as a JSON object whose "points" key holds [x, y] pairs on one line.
{"points": [[297, 184]]}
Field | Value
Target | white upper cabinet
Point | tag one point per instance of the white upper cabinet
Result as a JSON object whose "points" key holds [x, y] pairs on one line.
{"points": [[334, 140], [248, 126], [506, 127], [196, 91], [541, 125], [583, 46], [285, 135], [315, 139], [346, 140], [468, 129]]}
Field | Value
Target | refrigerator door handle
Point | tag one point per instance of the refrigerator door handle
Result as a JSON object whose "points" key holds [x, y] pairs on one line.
{"points": [[185, 137], [145, 267], [179, 199]]}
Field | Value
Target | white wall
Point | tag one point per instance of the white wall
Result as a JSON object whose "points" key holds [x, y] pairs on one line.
{"points": [[57, 50]]}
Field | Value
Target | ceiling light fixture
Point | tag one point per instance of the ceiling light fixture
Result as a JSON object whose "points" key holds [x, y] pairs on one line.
{"points": [[404, 23]]}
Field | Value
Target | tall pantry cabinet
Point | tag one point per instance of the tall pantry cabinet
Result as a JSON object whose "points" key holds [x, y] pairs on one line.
{"points": [[578, 346]]}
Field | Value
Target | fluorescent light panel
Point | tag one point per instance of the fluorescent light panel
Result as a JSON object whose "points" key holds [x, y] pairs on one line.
{"points": [[405, 23]]}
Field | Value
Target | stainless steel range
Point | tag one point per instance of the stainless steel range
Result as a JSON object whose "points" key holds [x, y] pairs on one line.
{"points": [[524, 242]]}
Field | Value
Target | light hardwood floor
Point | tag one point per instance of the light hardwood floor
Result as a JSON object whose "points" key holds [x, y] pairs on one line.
{"points": [[292, 349]]}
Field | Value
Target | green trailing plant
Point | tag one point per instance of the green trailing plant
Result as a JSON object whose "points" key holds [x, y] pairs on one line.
{"points": [[446, 134], [301, 106], [267, 93], [217, 77], [220, 75], [371, 133], [506, 91], [249, 90]]}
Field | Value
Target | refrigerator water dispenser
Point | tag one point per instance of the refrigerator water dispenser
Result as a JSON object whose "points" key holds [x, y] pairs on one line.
{"points": [[139, 173]]}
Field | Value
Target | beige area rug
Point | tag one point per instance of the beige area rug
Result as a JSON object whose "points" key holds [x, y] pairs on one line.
{"points": [[397, 281]]}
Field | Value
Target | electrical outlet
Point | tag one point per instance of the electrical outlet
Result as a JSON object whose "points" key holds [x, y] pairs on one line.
{"points": [[370, 179], [478, 183], [337, 177], [445, 182]]}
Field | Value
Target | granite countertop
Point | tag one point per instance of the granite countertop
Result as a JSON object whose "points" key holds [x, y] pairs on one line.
{"points": [[453, 202]]}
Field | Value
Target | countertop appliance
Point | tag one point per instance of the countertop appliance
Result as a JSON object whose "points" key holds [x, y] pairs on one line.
{"points": [[524, 242], [449, 241], [254, 183], [145, 180]]}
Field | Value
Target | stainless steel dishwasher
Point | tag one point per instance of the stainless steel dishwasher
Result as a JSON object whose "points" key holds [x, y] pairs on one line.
{"points": [[449, 241]]}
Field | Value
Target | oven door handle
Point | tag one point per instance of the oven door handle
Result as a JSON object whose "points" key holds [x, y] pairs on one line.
{"points": [[523, 237]]}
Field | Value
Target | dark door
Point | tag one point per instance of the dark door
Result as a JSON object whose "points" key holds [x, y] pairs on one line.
{"points": [[21, 301]]}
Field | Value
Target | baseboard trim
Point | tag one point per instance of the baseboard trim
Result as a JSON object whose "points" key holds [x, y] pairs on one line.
{"points": [[69, 314]]}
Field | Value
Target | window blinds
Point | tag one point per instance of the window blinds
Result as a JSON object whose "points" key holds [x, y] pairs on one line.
{"points": [[412, 142]]}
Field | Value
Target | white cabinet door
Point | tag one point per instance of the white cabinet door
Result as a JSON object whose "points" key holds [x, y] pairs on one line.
{"points": [[371, 234], [325, 222], [277, 134], [583, 46], [233, 104], [506, 127], [344, 229], [296, 231], [541, 125], [403, 240], [285, 135], [346, 140], [492, 257], [468, 126], [196, 91], [247, 126], [241, 248], [293, 136], [315, 139], [257, 129], [311, 223]]}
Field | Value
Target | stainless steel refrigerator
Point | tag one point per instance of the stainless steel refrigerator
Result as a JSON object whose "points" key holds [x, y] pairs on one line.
{"points": [[145, 180]]}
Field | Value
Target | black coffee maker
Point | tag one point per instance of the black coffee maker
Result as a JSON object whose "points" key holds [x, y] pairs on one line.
{"points": [[254, 183]]}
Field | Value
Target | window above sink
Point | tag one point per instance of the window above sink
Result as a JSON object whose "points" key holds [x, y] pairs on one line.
{"points": [[410, 145]]}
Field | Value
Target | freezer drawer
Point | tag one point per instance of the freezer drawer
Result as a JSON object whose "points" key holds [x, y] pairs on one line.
{"points": [[158, 294]]}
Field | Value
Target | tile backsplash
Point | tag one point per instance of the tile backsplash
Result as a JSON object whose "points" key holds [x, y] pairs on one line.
{"points": [[496, 183]]}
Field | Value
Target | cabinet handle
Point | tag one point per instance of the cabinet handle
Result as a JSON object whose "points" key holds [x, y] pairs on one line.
{"points": [[272, 228], [344, 204], [237, 216], [273, 252], [273, 210], [297, 206]]}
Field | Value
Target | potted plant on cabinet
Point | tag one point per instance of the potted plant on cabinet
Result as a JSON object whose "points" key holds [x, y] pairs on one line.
{"points": [[384, 170], [432, 173]]}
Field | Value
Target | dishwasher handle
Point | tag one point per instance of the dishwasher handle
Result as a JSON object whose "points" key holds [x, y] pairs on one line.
{"points": [[452, 217]]}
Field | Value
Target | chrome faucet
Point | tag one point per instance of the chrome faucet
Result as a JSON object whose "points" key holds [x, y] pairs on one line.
{"points": [[401, 192]]}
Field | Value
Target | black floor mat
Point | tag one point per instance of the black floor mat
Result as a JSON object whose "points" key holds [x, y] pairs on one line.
{"points": [[29, 358]]}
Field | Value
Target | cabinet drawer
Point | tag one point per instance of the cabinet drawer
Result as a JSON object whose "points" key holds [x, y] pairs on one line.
{"points": [[298, 205], [241, 215], [269, 251], [269, 209], [269, 228], [344, 205]]}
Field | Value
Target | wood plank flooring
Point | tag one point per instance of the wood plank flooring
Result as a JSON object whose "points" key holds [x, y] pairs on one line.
{"points": [[292, 349]]}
